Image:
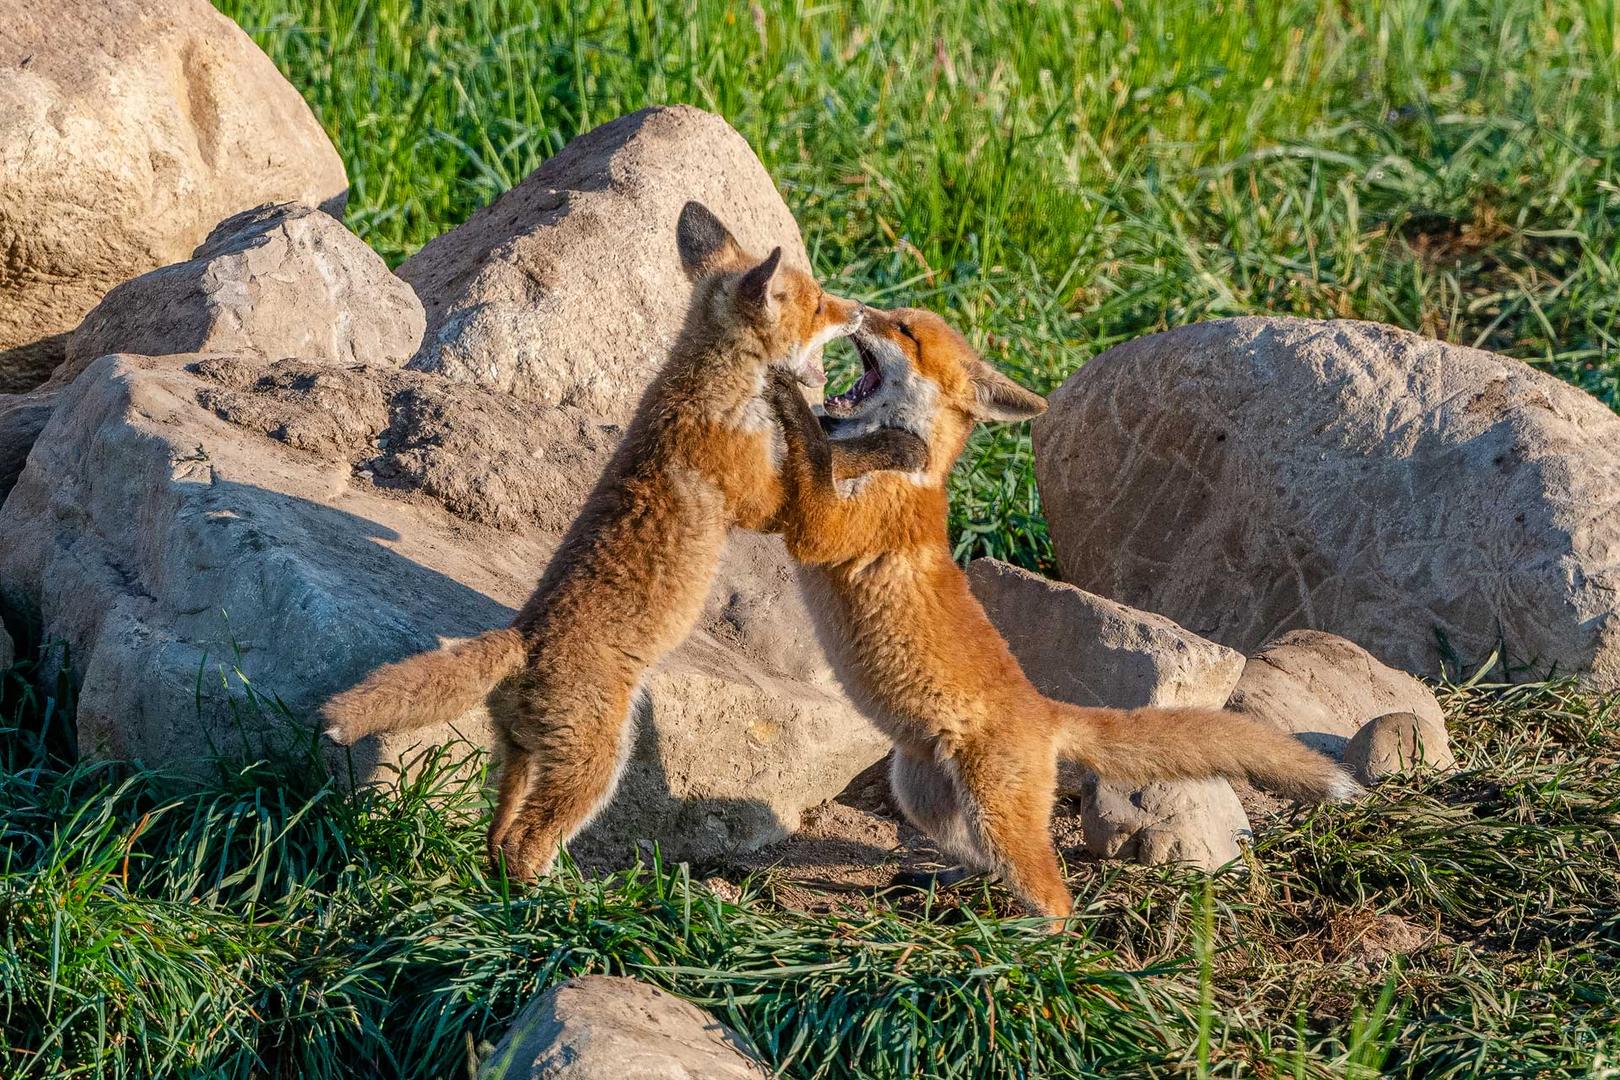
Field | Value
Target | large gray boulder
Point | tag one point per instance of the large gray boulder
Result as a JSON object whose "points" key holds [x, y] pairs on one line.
{"points": [[1090, 651], [274, 281], [298, 521], [567, 290], [128, 130], [302, 522], [603, 1027], [1249, 476]]}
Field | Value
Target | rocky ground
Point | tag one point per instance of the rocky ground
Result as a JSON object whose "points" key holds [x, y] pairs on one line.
{"points": [[277, 463]]}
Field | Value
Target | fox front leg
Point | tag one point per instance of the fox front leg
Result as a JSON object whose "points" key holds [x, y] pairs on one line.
{"points": [[886, 449]]}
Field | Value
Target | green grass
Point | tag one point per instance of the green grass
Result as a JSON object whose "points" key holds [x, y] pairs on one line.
{"points": [[267, 925], [1059, 175]]}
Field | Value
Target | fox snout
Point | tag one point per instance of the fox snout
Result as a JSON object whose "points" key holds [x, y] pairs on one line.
{"points": [[843, 317], [833, 317]]}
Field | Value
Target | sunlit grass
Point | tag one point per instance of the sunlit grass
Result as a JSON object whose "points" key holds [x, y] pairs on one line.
{"points": [[265, 924], [1057, 176]]}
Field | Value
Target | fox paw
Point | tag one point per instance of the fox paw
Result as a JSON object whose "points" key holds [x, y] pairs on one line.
{"points": [[527, 856]]}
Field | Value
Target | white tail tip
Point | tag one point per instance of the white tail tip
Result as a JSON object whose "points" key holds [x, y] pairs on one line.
{"points": [[335, 732], [1345, 788]]}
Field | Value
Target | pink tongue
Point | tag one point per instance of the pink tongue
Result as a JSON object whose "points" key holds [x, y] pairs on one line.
{"points": [[869, 382]]}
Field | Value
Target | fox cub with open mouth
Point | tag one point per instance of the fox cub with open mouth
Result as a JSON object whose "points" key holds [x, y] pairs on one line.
{"points": [[976, 746], [629, 579]]}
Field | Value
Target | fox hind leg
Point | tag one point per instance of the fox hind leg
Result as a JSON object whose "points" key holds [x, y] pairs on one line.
{"points": [[1008, 801], [516, 776], [569, 755], [932, 798]]}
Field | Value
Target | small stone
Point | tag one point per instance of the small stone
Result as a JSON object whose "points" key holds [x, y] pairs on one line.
{"points": [[723, 890], [1195, 822], [602, 1027], [1324, 689], [1399, 742]]}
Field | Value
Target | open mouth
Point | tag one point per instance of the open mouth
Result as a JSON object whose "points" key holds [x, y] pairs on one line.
{"points": [[870, 381]]}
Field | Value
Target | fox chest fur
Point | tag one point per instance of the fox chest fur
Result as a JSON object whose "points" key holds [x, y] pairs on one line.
{"points": [[901, 632]]}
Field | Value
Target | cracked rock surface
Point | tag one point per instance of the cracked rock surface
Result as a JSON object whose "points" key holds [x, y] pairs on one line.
{"points": [[1249, 476]]}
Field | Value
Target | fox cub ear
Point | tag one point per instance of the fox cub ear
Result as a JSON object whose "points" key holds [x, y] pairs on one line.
{"points": [[997, 397], [754, 289], [704, 243]]}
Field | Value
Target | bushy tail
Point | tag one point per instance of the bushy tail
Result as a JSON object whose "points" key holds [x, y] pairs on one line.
{"points": [[1141, 745], [429, 688]]}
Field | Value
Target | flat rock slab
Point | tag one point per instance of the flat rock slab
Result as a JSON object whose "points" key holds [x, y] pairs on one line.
{"points": [[602, 1027], [1324, 689], [1087, 650], [128, 130], [1246, 477]]}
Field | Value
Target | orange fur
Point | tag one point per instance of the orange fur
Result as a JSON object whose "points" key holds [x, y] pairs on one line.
{"points": [[630, 577], [976, 746]]}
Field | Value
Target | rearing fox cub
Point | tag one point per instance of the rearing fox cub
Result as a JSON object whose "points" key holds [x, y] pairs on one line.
{"points": [[629, 579], [976, 746]]}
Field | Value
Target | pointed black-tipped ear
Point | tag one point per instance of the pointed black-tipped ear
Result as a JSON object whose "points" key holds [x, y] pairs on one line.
{"points": [[997, 397], [704, 243], [755, 287]]}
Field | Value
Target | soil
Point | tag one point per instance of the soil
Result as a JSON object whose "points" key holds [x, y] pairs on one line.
{"points": [[858, 848]]}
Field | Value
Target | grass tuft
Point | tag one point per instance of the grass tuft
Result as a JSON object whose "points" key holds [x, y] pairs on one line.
{"points": [[262, 922]]}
